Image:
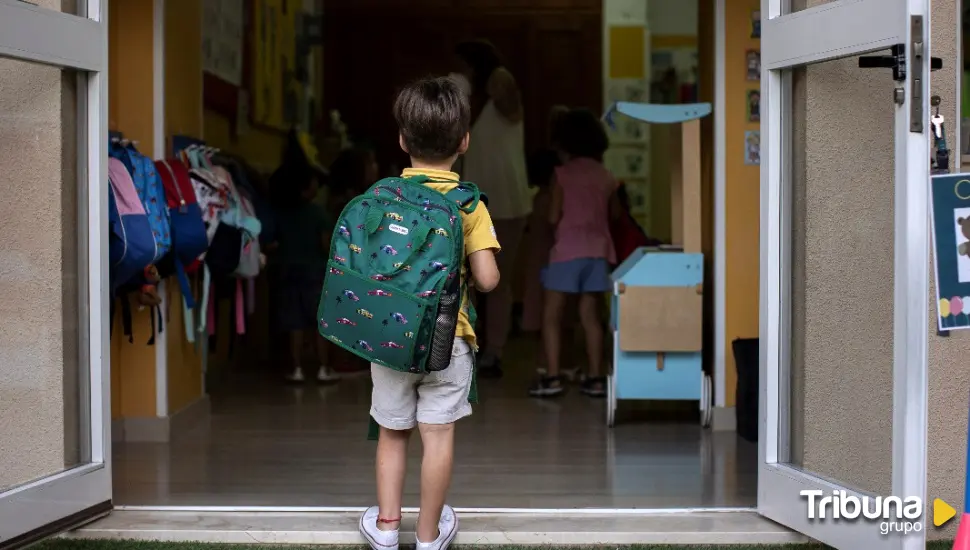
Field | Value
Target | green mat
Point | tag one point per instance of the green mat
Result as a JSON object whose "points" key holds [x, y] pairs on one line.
{"points": [[73, 544]]}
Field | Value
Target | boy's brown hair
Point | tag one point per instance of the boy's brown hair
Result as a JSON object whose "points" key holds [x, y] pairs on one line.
{"points": [[433, 116]]}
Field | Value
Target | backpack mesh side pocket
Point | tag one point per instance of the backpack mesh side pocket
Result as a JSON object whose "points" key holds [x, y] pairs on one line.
{"points": [[445, 326]]}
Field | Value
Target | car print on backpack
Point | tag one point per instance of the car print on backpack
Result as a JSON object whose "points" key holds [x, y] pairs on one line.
{"points": [[364, 345], [364, 313], [379, 292], [346, 321], [388, 249], [394, 345], [399, 317], [351, 296]]}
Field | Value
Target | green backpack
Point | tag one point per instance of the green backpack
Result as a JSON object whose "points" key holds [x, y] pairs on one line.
{"points": [[393, 287]]}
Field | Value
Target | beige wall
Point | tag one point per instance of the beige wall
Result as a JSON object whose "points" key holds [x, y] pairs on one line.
{"points": [[39, 419], [949, 379]]}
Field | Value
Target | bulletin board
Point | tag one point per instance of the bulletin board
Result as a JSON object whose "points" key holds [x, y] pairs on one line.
{"points": [[275, 93]]}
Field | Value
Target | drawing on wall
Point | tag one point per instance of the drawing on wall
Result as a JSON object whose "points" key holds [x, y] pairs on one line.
{"points": [[636, 192], [753, 64], [634, 90], [627, 162], [754, 106], [625, 12], [756, 24], [222, 40], [274, 68], [752, 147]]}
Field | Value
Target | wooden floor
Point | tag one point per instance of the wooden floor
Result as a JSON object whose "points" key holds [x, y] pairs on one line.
{"points": [[268, 444]]}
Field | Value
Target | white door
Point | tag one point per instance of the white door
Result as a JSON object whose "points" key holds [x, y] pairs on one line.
{"points": [[844, 255], [54, 383]]}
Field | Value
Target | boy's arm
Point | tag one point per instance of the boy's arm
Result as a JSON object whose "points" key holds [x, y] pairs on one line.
{"points": [[481, 245]]}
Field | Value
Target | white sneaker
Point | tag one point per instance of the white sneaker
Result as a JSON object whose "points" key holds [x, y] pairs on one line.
{"points": [[327, 376], [377, 539], [296, 375], [447, 530]]}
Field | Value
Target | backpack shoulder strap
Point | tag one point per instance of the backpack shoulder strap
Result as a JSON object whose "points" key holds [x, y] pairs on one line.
{"points": [[467, 196]]}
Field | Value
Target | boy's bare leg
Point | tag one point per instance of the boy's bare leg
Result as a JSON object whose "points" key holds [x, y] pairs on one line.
{"points": [[438, 441], [553, 303], [392, 460]]}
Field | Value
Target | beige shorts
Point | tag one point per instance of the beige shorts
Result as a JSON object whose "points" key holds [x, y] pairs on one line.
{"points": [[402, 399]]}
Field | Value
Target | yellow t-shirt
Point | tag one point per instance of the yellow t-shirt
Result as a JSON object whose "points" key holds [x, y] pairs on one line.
{"points": [[479, 235]]}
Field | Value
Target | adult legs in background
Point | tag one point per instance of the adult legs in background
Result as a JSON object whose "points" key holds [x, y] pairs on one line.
{"points": [[296, 355], [498, 303]]}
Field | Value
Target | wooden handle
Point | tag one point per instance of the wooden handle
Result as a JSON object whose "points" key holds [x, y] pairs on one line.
{"points": [[660, 361]]}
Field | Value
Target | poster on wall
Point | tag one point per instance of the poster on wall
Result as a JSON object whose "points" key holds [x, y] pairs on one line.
{"points": [[274, 85], [753, 105], [625, 12], [627, 130], [627, 163], [752, 147], [222, 40], [753, 64], [756, 24], [638, 195], [950, 212]]}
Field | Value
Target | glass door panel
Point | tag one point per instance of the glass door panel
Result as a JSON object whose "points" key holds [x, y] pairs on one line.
{"points": [[844, 250], [54, 467]]}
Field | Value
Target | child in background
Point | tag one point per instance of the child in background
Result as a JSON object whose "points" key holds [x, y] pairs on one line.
{"points": [[353, 171], [584, 201], [303, 232], [541, 235]]}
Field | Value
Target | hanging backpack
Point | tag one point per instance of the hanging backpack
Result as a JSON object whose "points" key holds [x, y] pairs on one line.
{"points": [[241, 215], [151, 192], [393, 286], [131, 247]]}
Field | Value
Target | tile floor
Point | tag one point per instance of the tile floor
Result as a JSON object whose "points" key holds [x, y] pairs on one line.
{"points": [[268, 444]]}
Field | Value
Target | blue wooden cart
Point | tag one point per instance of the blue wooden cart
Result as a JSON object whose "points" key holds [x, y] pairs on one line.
{"points": [[658, 295]]}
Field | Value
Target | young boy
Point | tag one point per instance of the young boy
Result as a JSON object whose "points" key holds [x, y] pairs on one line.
{"points": [[434, 118]]}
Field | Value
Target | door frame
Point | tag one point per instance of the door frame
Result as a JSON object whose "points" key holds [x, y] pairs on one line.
{"points": [[78, 42], [789, 41]]}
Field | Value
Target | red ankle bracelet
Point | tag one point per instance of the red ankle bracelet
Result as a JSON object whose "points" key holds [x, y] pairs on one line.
{"points": [[392, 520]]}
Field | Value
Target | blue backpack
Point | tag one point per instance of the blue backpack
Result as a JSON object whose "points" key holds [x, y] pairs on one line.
{"points": [[151, 192], [131, 247]]}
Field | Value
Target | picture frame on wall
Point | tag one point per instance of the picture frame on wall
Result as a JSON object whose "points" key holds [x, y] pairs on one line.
{"points": [[752, 61], [752, 148], [753, 105], [756, 24]]}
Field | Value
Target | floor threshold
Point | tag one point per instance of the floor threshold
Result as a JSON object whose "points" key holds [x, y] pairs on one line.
{"points": [[570, 527]]}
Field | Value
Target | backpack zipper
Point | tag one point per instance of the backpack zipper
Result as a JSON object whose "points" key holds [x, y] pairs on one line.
{"points": [[401, 196]]}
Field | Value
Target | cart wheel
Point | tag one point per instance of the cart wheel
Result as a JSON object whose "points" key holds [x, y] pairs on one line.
{"points": [[707, 411], [610, 401]]}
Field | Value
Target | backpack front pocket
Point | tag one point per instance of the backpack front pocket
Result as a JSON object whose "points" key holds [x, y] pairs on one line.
{"points": [[373, 320]]}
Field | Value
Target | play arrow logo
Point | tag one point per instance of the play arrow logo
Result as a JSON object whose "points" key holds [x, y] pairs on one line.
{"points": [[942, 512]]}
